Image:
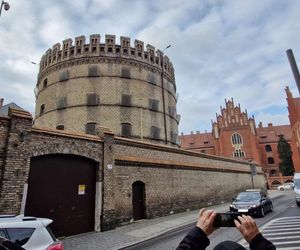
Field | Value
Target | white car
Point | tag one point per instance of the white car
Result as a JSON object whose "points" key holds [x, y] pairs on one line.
{"points": [[29, 232], [286, 186]]}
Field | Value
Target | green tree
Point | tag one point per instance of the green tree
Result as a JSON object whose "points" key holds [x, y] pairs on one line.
{"points": [[284, 151]]}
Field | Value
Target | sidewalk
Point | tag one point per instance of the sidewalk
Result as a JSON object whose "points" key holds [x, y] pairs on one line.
{"points": [[138, 231]]}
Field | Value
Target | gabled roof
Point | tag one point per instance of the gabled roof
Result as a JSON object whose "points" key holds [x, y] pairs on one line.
{"points": [[271, 133], [4, 109]]}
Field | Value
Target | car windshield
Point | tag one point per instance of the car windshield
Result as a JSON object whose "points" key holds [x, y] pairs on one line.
{"points": [[248, 196], [297, 183]]}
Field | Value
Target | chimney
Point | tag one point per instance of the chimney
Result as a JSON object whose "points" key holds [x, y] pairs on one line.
{"points": [[260, 125], [294, 67], [270, 124], [1, 102]]}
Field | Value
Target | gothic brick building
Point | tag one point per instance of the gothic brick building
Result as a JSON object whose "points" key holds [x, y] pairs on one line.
{"points": [[235, 135], [294, 116]]}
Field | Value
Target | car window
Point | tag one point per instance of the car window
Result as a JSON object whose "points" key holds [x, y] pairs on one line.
{"points": [[248, 196], [19, 235], [2, 233], [51, 233]]}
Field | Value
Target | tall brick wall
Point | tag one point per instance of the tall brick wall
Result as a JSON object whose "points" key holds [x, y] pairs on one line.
{"points": [[175, 180]]}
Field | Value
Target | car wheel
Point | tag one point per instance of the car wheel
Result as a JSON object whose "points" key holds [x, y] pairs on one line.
{"points": [[262, 212], [271, 208], [281, 189], [298, 204]]}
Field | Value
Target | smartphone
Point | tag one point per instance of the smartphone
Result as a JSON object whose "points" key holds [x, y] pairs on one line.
{"points": [[225, 219]]}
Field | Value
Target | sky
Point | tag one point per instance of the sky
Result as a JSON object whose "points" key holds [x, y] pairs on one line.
{"points": [[220, 49]]}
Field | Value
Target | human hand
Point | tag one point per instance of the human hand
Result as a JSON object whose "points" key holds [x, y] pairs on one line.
{"points": [[206, 221], [247, 226]]}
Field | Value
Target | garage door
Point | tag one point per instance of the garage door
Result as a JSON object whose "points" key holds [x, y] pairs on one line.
{"points": [[62, 188]]}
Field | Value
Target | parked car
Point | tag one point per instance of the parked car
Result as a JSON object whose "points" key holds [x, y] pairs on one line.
{"points": [[29, 232], [286, 186], [253, 202]]}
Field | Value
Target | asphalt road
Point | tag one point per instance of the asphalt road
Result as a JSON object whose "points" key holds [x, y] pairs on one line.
{"points": [[284, 205]]}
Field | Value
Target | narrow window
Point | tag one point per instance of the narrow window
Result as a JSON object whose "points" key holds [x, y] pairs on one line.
{"points": [[125, 73], [63, 75], [126, 100], [239, 153], [153, 104], [152, 79], [270, 160], [173, 137], [268, 148], [110, 49], [90, 128], [62, 103], [92, 99], [60, 127], [126, 129], [155, 132], [42, 109], [45, 83], [93, 71]]}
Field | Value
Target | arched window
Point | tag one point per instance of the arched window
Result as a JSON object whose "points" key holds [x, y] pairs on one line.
{"points": [[268, 148], [273, 173], [236, 139], [126, 129], [270, 160]]}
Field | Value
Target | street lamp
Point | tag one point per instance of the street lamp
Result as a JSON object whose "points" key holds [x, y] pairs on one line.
{"points": [[5, 5], [163, 94]]}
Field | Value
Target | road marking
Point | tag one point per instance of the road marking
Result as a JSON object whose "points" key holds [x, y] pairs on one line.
{"points": [[283, 232]]}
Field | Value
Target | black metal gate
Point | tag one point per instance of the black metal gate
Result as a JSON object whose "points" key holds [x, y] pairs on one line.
{"points": [[62, 188], [138, 200]]}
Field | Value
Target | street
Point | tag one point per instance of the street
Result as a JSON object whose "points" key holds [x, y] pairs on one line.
{"points": [[284, 206]]}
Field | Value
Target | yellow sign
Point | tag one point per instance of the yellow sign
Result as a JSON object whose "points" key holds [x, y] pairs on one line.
{"points": [[81, 189]]}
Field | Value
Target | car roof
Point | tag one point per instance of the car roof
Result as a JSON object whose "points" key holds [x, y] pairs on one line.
{"points": [[23, 221]]}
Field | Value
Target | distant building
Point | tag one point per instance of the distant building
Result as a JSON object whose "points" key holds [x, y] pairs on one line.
{"points": [[235, 135], [294, 116]]}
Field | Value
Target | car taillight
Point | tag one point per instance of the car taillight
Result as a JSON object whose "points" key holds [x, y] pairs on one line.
{"points": [[56, 246]]}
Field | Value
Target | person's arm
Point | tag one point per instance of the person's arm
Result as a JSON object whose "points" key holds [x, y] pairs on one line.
{"points": [[197, 239], [248, 228]]}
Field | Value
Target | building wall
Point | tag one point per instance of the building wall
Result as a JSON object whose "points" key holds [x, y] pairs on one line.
{"points": [[232, 120], [175, 179], [142, 82], [294, 117]]}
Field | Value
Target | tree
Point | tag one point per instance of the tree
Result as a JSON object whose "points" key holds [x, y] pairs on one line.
{"points": [[284, 151]]}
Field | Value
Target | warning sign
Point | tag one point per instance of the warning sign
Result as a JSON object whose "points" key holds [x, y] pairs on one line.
{"points": [[81, 189]]}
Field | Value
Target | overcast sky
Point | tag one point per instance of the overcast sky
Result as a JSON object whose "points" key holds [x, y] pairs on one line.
{"points": [[221, 49]]}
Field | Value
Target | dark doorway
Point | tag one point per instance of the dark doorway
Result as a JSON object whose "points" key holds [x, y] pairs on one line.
{"points": [[138, 200], [62, 188]]}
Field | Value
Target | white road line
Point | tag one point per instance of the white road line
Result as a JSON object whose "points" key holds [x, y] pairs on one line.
{"points": [[280, 229], [281, 233], [284, 238]]}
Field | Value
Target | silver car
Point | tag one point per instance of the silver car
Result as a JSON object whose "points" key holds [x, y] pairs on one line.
{"points": [[29, 232], [286, 186]]}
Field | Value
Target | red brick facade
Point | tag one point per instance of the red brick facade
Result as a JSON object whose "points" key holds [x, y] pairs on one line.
{"points": [[234, 135], [294, 116]]}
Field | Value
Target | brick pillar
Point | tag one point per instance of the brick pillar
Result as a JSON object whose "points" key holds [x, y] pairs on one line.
{"points": [[108, 214], [15, 165]]}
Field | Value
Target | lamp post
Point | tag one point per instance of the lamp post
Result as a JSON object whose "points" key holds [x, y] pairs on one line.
{"points": [[163, 93], [252, 172], [5, 5]]}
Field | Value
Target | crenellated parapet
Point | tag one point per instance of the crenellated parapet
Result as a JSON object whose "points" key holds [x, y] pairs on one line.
{"points": [[109, 49]]}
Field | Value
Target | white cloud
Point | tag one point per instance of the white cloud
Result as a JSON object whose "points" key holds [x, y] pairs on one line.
{"points": [[220, 48]]}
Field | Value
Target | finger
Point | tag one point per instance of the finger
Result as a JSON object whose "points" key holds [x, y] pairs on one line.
{"points": [[237, 223], [201, 211], [241, 218]]}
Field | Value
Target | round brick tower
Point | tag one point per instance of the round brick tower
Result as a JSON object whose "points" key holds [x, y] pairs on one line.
{"points": [[126, 89]]}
